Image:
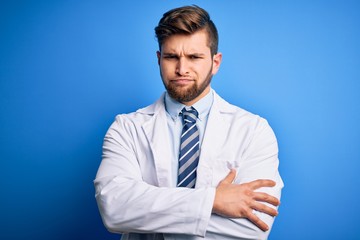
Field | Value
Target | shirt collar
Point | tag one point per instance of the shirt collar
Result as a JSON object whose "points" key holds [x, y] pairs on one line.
{"points": [[173, 107]]}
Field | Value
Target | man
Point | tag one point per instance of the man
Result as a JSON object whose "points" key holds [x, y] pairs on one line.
{"points": [[190, 165]]}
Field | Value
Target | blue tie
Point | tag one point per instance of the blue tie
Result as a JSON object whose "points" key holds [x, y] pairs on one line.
{"points": [[189, 149]]}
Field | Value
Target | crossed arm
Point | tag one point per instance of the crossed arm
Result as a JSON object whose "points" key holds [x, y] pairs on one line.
{"points": [[129, 201], [129, 205]]}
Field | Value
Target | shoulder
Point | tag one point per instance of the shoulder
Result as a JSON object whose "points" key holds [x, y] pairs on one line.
{"points": [[141, 115], [227, 109], [238, 116]]}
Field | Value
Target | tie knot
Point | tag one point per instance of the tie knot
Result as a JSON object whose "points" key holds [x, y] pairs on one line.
{"points": [[189, 116]]}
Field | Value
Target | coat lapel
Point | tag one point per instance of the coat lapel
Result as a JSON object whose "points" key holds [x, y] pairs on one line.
{"points": [[157, 134], [214, 139]]}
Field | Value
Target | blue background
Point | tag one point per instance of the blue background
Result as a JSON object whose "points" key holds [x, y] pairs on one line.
{"points": [[68, 67]]}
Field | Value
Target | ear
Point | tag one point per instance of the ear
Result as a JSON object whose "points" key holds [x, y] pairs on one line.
{"points": [[216, 63], [158, 54]]}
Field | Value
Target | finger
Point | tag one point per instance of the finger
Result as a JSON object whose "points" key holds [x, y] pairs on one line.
{"points": [[261, 183], [264, 197], [258, 222], [264, 208], [230, 177]]}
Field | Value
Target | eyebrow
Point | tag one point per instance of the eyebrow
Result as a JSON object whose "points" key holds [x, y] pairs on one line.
{"points": [[190, 54]]}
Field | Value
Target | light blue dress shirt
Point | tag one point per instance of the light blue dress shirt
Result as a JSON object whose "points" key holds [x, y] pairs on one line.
{"points": [[175, 124]]}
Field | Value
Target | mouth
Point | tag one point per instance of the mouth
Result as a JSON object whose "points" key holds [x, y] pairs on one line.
{"points": [[182, 81]]}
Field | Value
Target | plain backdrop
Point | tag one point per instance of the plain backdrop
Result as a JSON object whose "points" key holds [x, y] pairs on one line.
{"points": [[68, 67]]}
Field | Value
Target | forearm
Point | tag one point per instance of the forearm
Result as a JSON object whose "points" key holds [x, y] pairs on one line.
{"points": [[132, 206], [242, 228], [244, 207], [234, 228]]}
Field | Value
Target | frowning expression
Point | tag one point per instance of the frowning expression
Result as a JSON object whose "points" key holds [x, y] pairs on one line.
{"points": [[187, 66]]}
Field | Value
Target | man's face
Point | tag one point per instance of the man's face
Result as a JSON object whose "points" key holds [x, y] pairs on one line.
{"points": [[186, 66]]}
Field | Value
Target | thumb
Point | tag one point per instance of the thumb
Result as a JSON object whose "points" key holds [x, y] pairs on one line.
{"points": [[229, 178]]}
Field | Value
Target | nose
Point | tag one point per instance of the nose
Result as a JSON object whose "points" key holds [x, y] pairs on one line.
{"points": [[182, 67]]}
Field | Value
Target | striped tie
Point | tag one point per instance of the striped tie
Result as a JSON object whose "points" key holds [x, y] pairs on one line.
{"points": [[189, 149]]}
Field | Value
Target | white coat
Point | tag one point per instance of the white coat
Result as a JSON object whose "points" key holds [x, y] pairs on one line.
{"points": [[133, 183]]}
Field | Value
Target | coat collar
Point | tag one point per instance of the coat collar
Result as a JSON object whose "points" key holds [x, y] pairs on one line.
{"points": [[158, 106]]}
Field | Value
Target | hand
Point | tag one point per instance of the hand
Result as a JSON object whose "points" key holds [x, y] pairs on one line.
{"points": [[239, 200]]}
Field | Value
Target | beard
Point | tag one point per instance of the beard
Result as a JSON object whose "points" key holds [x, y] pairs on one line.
{"points": [[187, 94]]}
